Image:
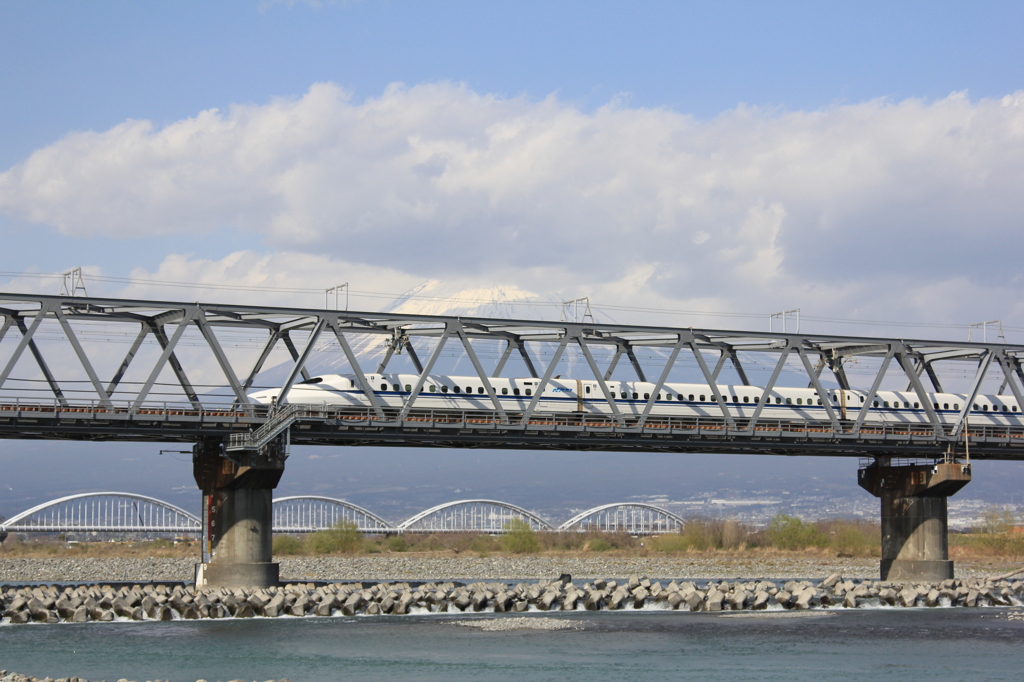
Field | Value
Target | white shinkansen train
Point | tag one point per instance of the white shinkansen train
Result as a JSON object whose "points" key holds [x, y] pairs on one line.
{"points": [[683, 400]]}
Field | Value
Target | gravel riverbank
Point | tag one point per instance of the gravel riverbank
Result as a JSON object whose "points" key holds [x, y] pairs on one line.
{"points": [[410, 567]]}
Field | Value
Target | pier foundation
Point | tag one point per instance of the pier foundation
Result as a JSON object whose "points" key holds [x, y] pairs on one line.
{"points": [[237, 513], [915, 544]]}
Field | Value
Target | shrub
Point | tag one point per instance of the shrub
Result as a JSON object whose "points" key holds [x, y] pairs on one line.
{"points": [[789, 532], [285, 545], [344, 538], [483, 545], [598, 545], [397, 543], [997, 520], [670, 543], [519, 538]]}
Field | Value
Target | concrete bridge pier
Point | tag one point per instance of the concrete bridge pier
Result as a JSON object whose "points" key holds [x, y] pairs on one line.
{"points": [[237, 513], [914, 516]]}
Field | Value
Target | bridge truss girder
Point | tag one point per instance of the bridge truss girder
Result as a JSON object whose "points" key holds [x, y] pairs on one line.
{"points": [[22, 316]]}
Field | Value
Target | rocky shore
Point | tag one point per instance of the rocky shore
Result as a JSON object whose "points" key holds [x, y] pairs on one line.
{"points": [[83, 604], [410, 567]]}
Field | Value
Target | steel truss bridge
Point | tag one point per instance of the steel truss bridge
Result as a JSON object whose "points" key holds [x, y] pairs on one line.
{"points": [[113, 512], [78, 368]]}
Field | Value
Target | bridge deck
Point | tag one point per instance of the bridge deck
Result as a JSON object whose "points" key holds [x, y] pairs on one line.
{"points": [[317, 425]]}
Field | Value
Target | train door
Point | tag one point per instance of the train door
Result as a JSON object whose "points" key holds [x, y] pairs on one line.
{"points": [[579, 395]]}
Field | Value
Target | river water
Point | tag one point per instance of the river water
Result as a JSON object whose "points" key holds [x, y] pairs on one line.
{"points": [[862, 644]]}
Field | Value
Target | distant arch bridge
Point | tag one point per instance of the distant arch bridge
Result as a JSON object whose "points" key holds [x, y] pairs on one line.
{"points": [[132, 513]]}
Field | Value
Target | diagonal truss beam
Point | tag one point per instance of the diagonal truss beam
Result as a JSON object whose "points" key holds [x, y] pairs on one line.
{"points": [[543, 383], [612, 405], [353, 362], [84, 359], [914, 375], [818, 388], [491, 393], [27, 341], [636, 363], [712, 385], [8, 321], [257, 367], [765, 397], [669, 364], [979, 376], [167, 357], [293, 351], [1010, 367], [869, 400], [425, 372], [613, 363], [128, 357], [222, 359]]}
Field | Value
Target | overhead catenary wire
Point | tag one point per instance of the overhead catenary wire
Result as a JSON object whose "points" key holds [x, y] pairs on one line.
{"points": [[531, 301]]}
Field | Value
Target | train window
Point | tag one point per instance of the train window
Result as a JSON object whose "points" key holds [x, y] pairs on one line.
{"points": [[529, 391], [799, 401], [680, 397], [835, 398], [515, 391], [702, 398], [657, 397], [504, 391], [1014, 408], [433, 389], [789, 401], [456, 389], [408, 388], [647, 396], [396, 387], [862, 398], [819, 401], [887, 403], [936, 406], [916, 406], [587, 389], [1004, 409], [383, 387], [314, 380], [479, 389], [691, 398], [623, 395], [876, 403], [746, 399], [735, 399], [945, 406], [636, 396], [984, 408], [444, 389], [976, 406], [756, 399]]}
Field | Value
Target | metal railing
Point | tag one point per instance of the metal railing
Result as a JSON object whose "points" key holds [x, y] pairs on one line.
{"points": [[267, 425]]}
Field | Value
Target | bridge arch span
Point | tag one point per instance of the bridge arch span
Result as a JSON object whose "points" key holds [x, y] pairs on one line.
{"points": [[631, 517], [482, 516], [311, 513], [104, 512]]}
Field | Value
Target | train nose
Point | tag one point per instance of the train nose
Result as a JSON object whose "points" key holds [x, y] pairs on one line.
{"points": [[263, 397]]}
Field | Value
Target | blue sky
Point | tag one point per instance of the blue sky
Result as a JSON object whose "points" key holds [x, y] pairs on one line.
{"points": [[857, 160], [74, 67]]}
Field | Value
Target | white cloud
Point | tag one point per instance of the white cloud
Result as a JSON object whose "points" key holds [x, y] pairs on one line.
{"points": [[866, 209]]}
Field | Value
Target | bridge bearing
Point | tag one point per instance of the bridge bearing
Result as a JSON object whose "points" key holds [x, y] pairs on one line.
{"points": [[237, 513], [914, 514]]}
